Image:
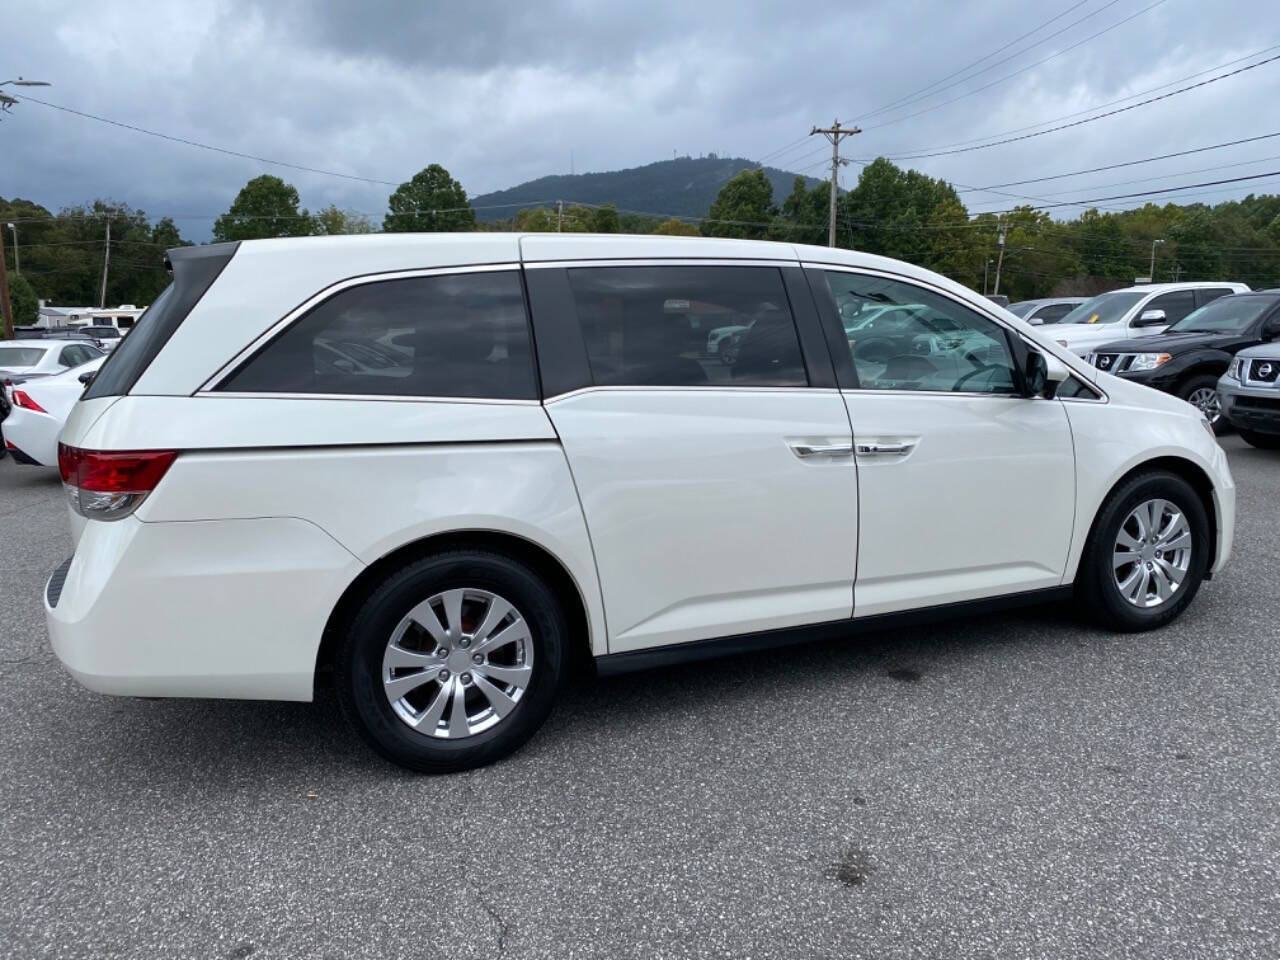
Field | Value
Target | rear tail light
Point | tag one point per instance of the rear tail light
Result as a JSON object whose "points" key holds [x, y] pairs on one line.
{"points": [[109, 485], [23, 399]]}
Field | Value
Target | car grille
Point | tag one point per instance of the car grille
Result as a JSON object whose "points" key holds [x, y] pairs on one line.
{"points": [[1263, 371], [1257, 403], [1111, 362], [53, 592]]}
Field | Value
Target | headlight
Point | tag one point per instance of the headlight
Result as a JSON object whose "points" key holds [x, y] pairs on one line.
{"points": [[1233, 371], [1148, 361], [1209, 429]]}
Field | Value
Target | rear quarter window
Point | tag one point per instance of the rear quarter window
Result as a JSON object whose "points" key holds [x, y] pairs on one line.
{"points": [[462, 335]]}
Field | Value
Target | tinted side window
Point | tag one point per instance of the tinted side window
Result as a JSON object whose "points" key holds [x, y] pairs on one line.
{"points": [[687, 326], [1055, 312], [70, 356], [462, 335], [903, 337], [1213, 293], [1175, 305]]}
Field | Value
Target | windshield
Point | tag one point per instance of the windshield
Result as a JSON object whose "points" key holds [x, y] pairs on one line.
{"points": [[13, 357], [1224, 315], [1023, 308], [1104, 308]]}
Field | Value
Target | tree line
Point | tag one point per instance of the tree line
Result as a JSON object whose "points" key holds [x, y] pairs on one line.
{"points": [[890, 211]]}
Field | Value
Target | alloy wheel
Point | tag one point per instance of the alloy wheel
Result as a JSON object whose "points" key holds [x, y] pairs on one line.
{"points": [[1152, 553], [458, 663], [1206, 399]]}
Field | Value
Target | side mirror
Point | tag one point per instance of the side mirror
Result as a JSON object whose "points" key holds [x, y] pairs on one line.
{"points": [[87, 376], [1150, 318], [1036, 321], [1044, 374]]}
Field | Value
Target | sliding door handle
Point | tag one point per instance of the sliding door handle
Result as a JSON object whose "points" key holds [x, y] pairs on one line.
{"points": [[817, 448], [886, 448]]}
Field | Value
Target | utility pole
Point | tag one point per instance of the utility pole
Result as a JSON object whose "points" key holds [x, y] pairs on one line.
{"points": [[835, 133], [999, 262], [559, 215], [6, 306], [1152, 273], [17, 263], [106, 258], [985, 267]]}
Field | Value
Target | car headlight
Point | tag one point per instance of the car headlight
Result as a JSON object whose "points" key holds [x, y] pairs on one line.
{"points": [[1209, 428], [1148, 361], [1233, 371]]}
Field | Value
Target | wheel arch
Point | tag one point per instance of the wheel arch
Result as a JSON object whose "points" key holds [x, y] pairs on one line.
{"points": [[519, 548], [1189, 471]]}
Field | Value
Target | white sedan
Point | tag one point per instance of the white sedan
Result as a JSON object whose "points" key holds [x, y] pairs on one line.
{"points": [[40, 408], [20, 359]]}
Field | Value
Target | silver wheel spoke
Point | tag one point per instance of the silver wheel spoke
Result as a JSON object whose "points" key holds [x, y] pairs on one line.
{"points": [[515, 675], [501, 703], [458, 725], [424, 615], [1127, 540], [453, 613], [497, 612], [517, 632], [398, 658], [1164, 589], [430, 718], [1133, 585], [398, 687], [1127, 557], [1155, 512]]}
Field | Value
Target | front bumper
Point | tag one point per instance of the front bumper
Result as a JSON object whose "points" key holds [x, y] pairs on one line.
{"points": [[1250, 408], [221, 608]]}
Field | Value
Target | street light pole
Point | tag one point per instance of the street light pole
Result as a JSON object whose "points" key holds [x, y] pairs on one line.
{"points": [[985, 267], [7, 102], [17, 263], [1152, 272]]}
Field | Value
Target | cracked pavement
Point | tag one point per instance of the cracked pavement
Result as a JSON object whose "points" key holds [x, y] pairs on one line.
{"points": [[1012, 786]]}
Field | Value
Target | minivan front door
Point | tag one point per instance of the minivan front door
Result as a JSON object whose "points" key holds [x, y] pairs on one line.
{"points": [[719, 487], [967, 488]]}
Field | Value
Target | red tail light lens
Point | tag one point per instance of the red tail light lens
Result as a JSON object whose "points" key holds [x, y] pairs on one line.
{"points": [[109, 485], [23, 399]]}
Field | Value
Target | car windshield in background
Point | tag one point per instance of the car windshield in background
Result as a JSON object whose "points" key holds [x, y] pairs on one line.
{"points": [[13, 357], [1022, 309], [1224, 315], [1104, 308]]}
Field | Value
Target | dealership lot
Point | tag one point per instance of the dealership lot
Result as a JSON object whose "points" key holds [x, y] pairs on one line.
{"points": [[1015, 786]]}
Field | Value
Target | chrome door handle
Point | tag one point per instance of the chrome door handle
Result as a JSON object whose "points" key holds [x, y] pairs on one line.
{"points": [[884, 448], [814, 448]]}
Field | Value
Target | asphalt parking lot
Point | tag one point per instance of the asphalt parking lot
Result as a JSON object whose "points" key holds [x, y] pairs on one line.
{"points": [[1017, 786]]}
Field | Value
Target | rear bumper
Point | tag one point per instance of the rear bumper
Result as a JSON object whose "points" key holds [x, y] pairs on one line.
{"points": [[226, 608], [32, 437]]}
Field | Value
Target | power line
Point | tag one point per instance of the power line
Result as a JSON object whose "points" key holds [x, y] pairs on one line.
{"points": [[1022, 70], [922, 90], [207, 146], [1110, 113]]}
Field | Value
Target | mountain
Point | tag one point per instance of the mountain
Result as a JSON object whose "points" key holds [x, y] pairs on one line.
{"points": [[683, 187]]}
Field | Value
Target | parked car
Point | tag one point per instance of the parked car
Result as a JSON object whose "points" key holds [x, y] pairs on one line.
{"points": [[1250, 394], [1189, 357], [40, 409], [1133, 312], [1046, 311], [108, 338], [561, 471], [24, 359]]}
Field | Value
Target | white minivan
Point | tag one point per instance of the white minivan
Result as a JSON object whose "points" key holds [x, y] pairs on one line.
{"points": [[433, 469]]}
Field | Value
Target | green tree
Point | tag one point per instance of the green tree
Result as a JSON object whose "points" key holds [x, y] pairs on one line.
{"points": [[266, 206], [431, 202], [22, 296], [333, 222], [805, 213], [675, 227], [743, 208], [605, 219]]}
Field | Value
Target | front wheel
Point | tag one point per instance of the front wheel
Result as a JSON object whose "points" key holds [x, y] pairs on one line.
{"points": [[454, 661], [1147, 555], [1263, 441], [1202, 393]]}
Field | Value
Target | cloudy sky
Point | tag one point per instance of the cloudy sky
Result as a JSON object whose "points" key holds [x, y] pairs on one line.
{"points": [[501, 93]]}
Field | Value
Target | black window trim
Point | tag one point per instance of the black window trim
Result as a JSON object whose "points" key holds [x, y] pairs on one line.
{"points": [[210, 388], [564, 368]]}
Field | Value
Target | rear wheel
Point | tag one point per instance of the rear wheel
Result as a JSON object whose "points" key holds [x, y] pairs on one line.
{"points": [[1202, 393], [454, 661], [1264, 441], [1147, 555]]}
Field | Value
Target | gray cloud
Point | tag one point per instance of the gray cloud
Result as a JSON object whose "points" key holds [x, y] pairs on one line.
{"points": [[501, 93]]}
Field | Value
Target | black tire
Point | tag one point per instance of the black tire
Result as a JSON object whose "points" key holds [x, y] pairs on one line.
{"points": [[358, 669], [1097, 593], [1263, 441], [1188, 387]]}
